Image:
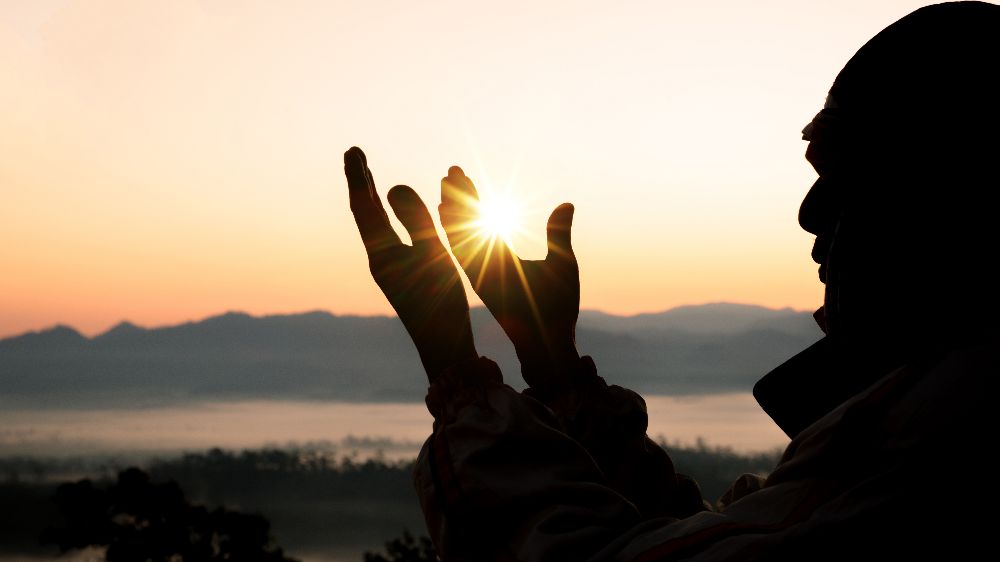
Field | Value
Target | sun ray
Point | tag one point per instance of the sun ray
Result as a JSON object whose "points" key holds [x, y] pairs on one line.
{"points": [[527, 292], [486, 261]]}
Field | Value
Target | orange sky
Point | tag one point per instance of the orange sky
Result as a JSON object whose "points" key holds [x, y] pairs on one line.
{"points": [[165, 161]]}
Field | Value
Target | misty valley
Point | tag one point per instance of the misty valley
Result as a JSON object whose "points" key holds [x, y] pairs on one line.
{"points": [[313, 420]]}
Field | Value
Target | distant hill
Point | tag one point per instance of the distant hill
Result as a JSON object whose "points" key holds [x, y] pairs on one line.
{"points": [[317, 355]]}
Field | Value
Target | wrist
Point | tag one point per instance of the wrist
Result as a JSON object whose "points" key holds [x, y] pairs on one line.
{"points": [[541, 351], [568, 393], [446, 355], [561, 360], [460, 385], [555, 368]]}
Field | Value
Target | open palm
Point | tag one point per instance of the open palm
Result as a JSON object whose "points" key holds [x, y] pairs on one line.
{"points": [[536, 302], [420, 281]]}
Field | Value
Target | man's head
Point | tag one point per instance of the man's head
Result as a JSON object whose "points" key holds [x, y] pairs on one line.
{"points": [[907, 150]]}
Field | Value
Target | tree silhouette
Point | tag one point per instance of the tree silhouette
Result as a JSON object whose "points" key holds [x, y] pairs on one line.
{"points": [[405, 549], [138, 520]]}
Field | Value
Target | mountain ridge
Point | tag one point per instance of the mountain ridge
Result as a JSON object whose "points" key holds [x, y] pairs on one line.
{"points": [[318, 355], [128, 325]]}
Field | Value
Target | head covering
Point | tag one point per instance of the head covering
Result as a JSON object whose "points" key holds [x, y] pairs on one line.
{"points": [[928, 81], [915, 119]]}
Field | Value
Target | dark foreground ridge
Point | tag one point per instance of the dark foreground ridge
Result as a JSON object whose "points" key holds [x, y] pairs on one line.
{"points": [[316, 502]]}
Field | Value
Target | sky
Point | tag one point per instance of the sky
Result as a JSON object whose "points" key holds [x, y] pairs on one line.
{"points": [[166, 161]]}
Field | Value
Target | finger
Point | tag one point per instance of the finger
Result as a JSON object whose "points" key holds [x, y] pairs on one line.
{"points": [[558, 232], [457, 189], [370, 216], [412, 212], [459, 200]]}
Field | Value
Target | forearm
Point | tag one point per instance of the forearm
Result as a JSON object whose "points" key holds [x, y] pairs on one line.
{"points": [[437, 353], [548, 365]]}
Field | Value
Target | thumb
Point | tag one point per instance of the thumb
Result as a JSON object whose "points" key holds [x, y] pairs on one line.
{"points": [[558, 231], [412, 212]]}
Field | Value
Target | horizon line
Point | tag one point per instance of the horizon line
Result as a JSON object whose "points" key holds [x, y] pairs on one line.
{"points": [[234, 312]]}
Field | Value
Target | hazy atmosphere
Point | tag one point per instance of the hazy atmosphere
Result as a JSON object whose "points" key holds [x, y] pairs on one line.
{"points": [[168, 161], [183, 287], [241, 381]]}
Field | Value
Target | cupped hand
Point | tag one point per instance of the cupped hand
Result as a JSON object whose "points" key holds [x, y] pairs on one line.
{"points": [[420, 281], [536, 302]]}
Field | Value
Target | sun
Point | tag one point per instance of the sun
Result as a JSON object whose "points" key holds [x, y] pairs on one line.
{"points": [[498, 217]]}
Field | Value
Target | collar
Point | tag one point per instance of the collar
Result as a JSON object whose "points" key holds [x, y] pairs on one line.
{"points": [[810, 385]]}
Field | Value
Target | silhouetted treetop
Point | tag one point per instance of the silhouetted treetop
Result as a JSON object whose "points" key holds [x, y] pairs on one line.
{"points": [[138, 520]]}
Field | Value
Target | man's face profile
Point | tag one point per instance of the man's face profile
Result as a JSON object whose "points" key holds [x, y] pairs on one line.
{"points": [[819, 213]]}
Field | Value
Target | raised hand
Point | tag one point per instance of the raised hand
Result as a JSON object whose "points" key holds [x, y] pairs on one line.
{"points": [[420, 281], [537, 302]]}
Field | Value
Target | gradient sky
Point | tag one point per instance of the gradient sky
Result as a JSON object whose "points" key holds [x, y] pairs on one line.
{"points": [[165, 161]]}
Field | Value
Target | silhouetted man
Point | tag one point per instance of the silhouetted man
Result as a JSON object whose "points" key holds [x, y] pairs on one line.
{"points": [[887, 413]]}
